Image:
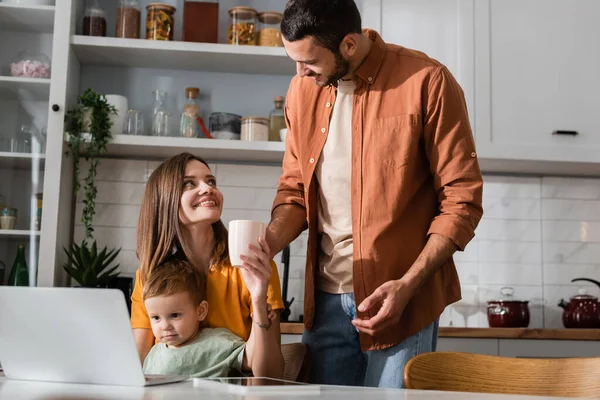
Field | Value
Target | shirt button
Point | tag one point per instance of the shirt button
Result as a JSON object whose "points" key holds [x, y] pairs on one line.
{"points": [[312, 160], [473, 154], [370, 79], [323, 130], [328, 104]]}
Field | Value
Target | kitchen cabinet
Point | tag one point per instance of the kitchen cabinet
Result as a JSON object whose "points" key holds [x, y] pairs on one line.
{"points": [[536, 64], [443, 29], [237, 79]]}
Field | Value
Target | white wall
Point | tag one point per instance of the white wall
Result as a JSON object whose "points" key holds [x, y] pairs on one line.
{"points": [[536, 234]]}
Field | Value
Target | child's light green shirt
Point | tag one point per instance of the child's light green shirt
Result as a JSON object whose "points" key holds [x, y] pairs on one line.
{"points": [[211, 355]]}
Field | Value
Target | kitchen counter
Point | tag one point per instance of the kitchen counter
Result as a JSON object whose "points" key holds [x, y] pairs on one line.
{"points": [[491, 333]]}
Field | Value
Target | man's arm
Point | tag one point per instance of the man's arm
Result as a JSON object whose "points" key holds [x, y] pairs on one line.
{"points": [[288, 218], [450, 148], [287, 223]]}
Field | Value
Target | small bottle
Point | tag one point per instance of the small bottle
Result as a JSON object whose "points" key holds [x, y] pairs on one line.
{"points": [[128, 19], [189, 126], [276, 120], [19, 275], [38, 214], [94, 19]]}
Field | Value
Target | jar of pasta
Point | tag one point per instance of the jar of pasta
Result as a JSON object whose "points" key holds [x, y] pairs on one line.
{"points": [[255, 129], [160, 21], [269, 33], [242, 27]]}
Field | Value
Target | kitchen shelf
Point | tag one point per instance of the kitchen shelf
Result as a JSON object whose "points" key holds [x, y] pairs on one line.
{"points": [[24, 89], [160, 148], [25, 18], [9, 160], [140, 53], [490, 333], [17, 234]]}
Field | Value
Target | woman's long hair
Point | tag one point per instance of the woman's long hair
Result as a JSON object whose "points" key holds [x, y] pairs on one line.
{"points": [[158, 230]]}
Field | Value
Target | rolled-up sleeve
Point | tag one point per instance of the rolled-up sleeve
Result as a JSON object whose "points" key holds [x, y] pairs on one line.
{"points": [[290, 189], [450, 147]]}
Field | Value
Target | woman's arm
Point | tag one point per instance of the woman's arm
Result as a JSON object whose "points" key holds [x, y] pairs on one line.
{"points": [[263, 349], [144, 340], [142, 330]]}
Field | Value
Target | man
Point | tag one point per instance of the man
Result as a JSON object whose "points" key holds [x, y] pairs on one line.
{"points": [[380, 165]]}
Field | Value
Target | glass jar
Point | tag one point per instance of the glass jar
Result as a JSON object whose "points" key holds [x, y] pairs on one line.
{"points": [[160, 21], [255, 129], [189, 126], [276, 120], [242, 26], [161, 118], [128, 19], [94, 19], [30, 65], [225, 125], [206, 11], [269, 33]]}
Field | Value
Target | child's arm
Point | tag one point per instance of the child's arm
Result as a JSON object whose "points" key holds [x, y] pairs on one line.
{"points": [[263, 349]]}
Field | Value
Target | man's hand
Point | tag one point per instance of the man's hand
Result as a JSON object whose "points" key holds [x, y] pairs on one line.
{"points": [[393, 297]]}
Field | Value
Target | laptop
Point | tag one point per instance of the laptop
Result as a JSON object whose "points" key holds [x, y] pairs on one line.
{"points": [[70, 335]]}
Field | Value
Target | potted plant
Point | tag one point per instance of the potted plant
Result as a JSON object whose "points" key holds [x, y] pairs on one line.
{"points": [[88, 133]]}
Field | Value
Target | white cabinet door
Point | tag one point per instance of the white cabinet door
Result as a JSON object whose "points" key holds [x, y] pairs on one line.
{"points": [[443, 29], [537, 64], [57, 220]]}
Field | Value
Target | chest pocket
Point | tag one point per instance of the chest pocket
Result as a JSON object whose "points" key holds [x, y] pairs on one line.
{"points": [[395, 140]]}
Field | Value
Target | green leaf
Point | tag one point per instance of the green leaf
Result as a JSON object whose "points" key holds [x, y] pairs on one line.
{"points": [[89, 279], [94, 250], [110, 271], [85, 257], [110, 258]]}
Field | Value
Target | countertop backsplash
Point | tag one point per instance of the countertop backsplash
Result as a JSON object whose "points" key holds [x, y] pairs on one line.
{"points": [[535, 236]]}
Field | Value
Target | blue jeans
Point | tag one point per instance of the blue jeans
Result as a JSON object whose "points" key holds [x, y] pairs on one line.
{"points": [[337, 358]]}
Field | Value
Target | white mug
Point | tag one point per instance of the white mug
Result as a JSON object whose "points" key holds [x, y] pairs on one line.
{"points": [[241, 234], [122, 106]]}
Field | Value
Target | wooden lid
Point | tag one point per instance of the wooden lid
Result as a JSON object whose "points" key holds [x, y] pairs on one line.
{"points": [[260, 120], [270, 17], [161, 6], [243, 11], [192, 92]]}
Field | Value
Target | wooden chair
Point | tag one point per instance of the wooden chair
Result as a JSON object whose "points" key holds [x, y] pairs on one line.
{"points": [[465, 372], [296, 362]]}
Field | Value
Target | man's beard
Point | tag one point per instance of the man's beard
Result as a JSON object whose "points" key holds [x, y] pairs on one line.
{"points": [[342, 67]]}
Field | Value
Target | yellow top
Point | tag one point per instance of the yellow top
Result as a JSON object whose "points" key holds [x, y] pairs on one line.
{"points": [[229, 302]]}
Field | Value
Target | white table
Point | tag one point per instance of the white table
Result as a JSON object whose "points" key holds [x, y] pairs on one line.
{"points": [[23, 390]]}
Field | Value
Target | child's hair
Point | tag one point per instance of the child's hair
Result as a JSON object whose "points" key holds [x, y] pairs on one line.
{"points": [[176, 276]]}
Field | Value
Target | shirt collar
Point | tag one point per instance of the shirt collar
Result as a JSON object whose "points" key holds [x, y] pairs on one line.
{"points": [[371, 65]]}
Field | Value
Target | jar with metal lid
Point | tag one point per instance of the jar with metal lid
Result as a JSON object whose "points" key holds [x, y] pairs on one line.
{"points": [[255, 129], [242, 26], [160, 21], [269, 33]]}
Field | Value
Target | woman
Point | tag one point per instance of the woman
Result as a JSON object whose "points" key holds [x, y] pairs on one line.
{"points": [[180, 216]]}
